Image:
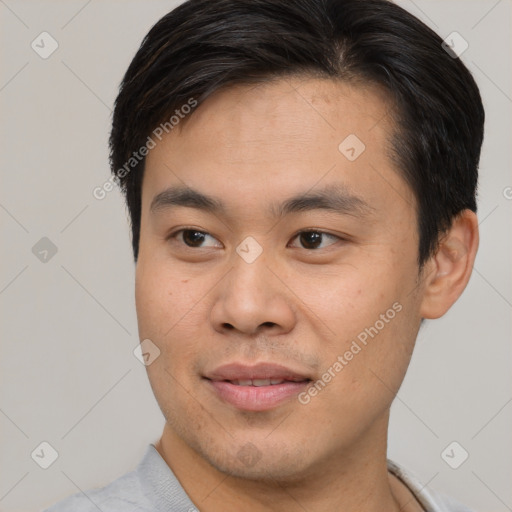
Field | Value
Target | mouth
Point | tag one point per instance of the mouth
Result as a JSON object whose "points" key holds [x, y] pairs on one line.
{"points": [[262, 382], [256, 388]]}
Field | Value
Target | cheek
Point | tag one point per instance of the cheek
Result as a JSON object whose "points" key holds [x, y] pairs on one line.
{"points": [[152, 298], [164, 299], [372, 317], [166, 317], [352, 297], [171, 314], [370, 374]]}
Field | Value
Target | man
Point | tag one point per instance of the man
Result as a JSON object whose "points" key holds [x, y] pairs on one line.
{"points": [[300, 177]]}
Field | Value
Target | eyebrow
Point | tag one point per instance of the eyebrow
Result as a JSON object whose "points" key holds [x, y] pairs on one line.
{"points": [[331, 198]]}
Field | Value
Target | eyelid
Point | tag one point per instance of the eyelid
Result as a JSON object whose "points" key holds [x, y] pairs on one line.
{"points": [[316, 230]]}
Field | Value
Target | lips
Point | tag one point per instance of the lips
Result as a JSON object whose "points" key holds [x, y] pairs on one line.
{"points": [[256, 388], [257, 382], [260, 372]]}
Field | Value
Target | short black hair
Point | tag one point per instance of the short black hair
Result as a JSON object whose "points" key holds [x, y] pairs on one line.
{"points": [[205, 45]]}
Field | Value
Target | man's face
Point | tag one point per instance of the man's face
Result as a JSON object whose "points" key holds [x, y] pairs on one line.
{"points": [[337, 312]]}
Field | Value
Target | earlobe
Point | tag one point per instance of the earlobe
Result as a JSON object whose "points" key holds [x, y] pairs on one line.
{"points": [[450, 268]]}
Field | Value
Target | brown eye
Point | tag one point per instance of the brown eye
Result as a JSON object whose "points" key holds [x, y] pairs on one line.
{"points": [[313, 239], [194, 238]]}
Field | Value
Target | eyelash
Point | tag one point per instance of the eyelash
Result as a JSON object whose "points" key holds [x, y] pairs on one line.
{"points": [[174, 235]]}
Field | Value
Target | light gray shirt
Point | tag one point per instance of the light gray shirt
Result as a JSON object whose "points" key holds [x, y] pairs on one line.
{"points": [[153, 487]]}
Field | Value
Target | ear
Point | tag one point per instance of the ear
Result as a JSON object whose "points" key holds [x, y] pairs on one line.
{"points": [[448, 271]]}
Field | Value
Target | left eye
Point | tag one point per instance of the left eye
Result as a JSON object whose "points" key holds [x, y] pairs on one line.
{"points": [[314, 239]]}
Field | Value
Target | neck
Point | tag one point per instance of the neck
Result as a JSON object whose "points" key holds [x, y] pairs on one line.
{"points": [[355, 480]]}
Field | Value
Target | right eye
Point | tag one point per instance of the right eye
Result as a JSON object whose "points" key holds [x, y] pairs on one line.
{"points": [[192, 238]]}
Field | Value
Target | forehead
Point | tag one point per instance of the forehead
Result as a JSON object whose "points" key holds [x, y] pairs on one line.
{"points": [[284, 135], [287, 112]]}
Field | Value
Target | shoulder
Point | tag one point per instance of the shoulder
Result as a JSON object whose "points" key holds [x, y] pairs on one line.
{"points": [[445, 503], [122, 495], [431, 500]]}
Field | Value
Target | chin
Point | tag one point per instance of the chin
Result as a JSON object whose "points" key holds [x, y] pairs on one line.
{"points": [[260, 461]]}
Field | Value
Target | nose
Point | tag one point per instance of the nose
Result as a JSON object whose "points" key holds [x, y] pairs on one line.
{"points": [[253, 299]]}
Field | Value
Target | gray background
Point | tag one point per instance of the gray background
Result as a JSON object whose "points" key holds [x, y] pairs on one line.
{"points": [[68, 325]]}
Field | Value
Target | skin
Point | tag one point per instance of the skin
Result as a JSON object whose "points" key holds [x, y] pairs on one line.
{"points": [[252, 146]]}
